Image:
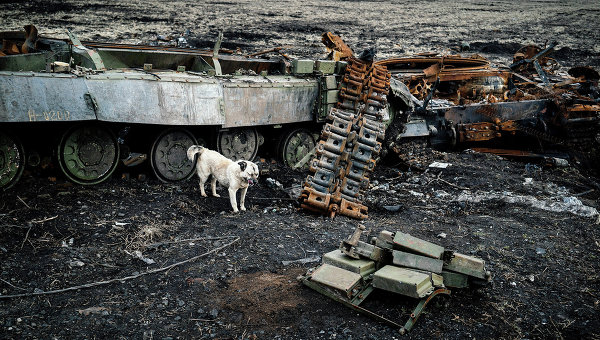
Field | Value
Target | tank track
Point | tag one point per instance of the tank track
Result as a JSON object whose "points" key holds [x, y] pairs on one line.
{"points": [[350, 143]]}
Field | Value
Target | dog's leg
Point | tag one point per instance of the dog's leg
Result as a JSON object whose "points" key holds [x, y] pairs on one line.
{"points": [[232, 199], [202, 180], [213, 186], [243, 199]]}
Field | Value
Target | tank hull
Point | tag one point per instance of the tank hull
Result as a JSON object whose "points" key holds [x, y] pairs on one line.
{"points": [[165, 98]]}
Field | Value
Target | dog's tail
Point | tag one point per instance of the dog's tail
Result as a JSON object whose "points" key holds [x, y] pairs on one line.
{"points": [[193, 150]]}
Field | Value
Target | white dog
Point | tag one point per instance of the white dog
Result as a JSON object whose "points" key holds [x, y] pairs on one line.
{"points": [[233, 175]]}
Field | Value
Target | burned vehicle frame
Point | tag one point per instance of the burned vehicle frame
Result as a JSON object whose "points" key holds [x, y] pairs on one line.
{"points": [[452, 102]]}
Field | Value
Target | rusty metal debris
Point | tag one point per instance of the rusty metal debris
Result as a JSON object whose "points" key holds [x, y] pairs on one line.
{"points": [[397, 263], [453, 102], [531, 104], [336, 47]]}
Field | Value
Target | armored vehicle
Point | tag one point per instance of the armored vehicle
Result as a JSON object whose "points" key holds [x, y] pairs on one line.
{"points": [[88, 105]]}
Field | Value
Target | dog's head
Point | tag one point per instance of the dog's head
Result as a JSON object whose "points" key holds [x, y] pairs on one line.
{"points": [[248, 172]]}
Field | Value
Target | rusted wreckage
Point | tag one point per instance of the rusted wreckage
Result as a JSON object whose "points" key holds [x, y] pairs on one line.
{"points": [[452, 101], [394, 262], [89, 107]]}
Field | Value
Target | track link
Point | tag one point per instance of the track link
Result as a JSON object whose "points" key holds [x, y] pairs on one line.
{"points": [[349, 144]]}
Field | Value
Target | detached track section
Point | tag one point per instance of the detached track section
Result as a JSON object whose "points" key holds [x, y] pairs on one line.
{"points": [[349, 144]]}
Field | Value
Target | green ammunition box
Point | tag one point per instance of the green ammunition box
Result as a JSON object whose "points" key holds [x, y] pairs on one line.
{"points": [[337, 278], [325, 66], [467, 265], [302, 66], [417, 261], [340, 67], [338, 259], [412, 244], [369, 251], [437, 280], [330, 97], [385, 239], [403, 281], [455, 280], [328, 83]]}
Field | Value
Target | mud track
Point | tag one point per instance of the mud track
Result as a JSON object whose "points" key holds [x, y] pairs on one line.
{"points": [[544, 260]]}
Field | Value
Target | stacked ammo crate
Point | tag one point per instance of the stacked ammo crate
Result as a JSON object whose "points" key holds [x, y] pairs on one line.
{"points": [[350, 142], [394, 262]]}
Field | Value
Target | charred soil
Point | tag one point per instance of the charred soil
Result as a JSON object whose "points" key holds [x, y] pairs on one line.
{"points": [[536, 227]]}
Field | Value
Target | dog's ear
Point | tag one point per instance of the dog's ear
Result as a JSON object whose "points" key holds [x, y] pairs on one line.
{"points": [[242, 165]]}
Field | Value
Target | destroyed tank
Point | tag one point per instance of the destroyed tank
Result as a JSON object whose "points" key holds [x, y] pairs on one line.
{"points": [[89, 106]]}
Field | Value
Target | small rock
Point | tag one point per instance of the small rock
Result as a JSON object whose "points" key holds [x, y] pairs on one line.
{"points": [[531, 277], [392, 208], [540, 251], [513, 284], [441, 194], [442, 235]]}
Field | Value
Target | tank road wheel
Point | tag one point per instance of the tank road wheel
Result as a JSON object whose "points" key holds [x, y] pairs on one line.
{"points": [[12, 161], [169, 155], [88, 154], [295, 145], [240, 143]]}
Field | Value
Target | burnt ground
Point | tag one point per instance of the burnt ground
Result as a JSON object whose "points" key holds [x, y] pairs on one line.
{"points": [[56, 235], [539, 237]]}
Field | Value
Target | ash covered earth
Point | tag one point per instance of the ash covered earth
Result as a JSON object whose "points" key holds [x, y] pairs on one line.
{"points": [[537, 228]]}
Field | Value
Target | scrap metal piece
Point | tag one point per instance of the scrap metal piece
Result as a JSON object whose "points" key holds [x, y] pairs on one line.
{"points": [[94, 56], [336, 47], [31, 37], [410, 243], [347, 246], [529, 54], [215, 56], [402, 281], [467, 265], [419, 309], [385, 239]]}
